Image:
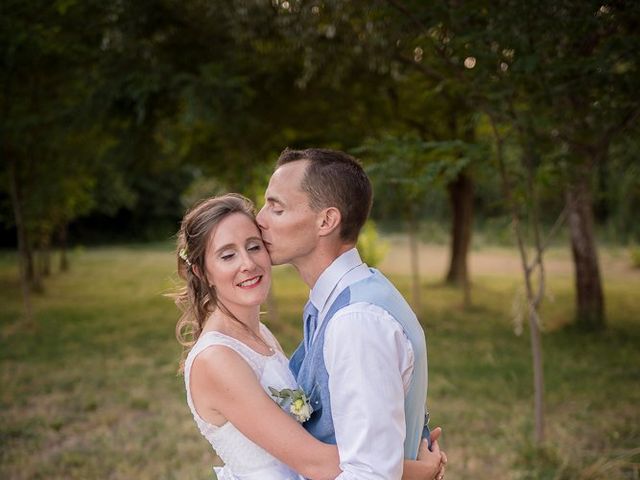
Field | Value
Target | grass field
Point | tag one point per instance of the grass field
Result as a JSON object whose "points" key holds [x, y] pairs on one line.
{"points": [[90, 390]]}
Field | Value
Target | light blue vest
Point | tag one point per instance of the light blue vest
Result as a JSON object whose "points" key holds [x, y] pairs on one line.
{"points": [[311, 373]]}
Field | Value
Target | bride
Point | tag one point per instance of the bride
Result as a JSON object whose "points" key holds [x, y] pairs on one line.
{"points": [[235, 369]]}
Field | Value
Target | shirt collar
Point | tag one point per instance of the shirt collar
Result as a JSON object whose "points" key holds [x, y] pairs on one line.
{"points": [[332, 275]]}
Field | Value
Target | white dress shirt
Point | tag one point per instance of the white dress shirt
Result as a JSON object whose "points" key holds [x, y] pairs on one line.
{"points": [[369, 360]]}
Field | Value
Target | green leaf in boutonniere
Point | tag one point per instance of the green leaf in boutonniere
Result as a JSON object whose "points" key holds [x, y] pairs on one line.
{"points": [[299, 404]]}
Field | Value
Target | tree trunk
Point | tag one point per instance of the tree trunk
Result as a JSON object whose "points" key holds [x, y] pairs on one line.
{"points": [[588, 282], [415, 264], [29, 259], [533, 299], [461, 199], [62, 238], [37, 284], [538, 368], [23, 244], [31, 271], [45, 257]]}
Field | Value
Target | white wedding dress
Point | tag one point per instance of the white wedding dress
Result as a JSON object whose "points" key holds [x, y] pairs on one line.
{"points": [[244, 460]]}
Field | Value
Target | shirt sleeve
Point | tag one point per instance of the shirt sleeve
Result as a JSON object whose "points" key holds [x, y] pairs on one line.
{"points": [[369, 361]]}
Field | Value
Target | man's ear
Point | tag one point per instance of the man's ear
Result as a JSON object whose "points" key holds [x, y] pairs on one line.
{"points": [[330, 220]]}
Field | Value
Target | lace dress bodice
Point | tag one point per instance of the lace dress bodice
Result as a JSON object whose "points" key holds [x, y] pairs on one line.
{"points": [[244, 460]]}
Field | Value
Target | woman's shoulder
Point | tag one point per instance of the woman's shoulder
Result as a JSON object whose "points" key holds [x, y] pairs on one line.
{"points": [[220, 362], [215, 352], [206, 343]]}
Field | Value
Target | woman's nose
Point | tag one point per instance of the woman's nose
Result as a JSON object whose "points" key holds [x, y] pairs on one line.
{"points": [[248, 263]]}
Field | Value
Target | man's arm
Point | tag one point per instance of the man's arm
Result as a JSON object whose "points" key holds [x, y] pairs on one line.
{"points": [[369, 361]]}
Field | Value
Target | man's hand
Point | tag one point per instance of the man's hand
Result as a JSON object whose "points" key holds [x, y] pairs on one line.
{"points": [[435, 458]]}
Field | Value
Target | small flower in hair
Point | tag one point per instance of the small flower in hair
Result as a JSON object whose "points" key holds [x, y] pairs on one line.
{"points": [[183, 255]]}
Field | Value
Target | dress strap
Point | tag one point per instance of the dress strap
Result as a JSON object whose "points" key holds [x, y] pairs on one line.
{"points": [[213, 338], [270, 338]]}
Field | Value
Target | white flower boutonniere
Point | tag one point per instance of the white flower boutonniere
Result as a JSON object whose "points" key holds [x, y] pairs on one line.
{"points": [[297, 401]]}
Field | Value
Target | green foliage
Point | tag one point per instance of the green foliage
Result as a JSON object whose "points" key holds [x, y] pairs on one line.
{"points": [[52, 133], [406, 171], [421, 164], [201, 188], [98, 96], [371, 247], [618, 190]]}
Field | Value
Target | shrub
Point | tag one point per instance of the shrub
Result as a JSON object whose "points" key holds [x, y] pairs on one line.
{"points": [[634, 251], [372, 249]]}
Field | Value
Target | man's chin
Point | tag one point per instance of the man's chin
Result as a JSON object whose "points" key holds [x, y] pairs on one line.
{"points": [[275, 261], [275, 258]]}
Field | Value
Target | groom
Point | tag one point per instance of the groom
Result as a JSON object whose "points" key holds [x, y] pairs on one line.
{"points": [[363, 359]]}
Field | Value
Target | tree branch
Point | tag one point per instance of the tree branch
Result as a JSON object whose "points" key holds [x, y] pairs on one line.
{"points": [[558, 223], [407, 13], [426, 70]]}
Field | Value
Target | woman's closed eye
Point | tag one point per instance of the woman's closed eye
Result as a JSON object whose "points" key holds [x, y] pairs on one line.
{"points": [[225, 256], [254, 246]]}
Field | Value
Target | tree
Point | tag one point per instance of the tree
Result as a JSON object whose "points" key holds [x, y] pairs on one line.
{"points": [[561, 75], [46, 77], [523, 204], [593, 84], [406, 169], [354, 54], [524, 66]]}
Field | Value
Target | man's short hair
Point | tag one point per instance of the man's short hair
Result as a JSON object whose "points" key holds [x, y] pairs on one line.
{"points": [[335, 179]]}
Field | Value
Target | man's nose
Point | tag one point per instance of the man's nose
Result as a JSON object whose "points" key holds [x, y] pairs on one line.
{"points": [[260, 218]]}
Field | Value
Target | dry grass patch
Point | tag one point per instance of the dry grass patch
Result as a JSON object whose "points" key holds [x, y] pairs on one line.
{"points": [[91, 391]]}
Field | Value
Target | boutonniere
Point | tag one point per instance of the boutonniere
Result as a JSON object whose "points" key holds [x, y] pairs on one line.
{"points": [[299, 404]]}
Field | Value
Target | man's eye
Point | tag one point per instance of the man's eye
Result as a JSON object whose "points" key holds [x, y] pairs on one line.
{"points": [[254, 248], [276, 208]]}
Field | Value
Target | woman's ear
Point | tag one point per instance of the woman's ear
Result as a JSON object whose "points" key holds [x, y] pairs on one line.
{"points": [[202, 278], [196, 271], [330, 220]]}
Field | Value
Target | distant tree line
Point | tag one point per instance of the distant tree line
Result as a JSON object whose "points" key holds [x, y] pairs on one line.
{"points": [[113, 114]]}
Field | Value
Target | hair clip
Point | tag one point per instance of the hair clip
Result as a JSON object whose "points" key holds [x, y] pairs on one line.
{"points": [[183, 255]]}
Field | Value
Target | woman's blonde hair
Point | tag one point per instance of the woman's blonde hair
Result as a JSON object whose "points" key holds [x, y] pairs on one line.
{"points": [[198, 299]]}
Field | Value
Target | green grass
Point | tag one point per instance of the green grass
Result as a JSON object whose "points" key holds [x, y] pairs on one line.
{"points": [[90, 390]]}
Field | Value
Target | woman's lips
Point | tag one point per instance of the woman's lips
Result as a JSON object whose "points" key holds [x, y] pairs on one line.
{"points": [[251, 282]]}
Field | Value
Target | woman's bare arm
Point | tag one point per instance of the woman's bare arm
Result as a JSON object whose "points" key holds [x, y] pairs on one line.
{"points": [[222, 381]]}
